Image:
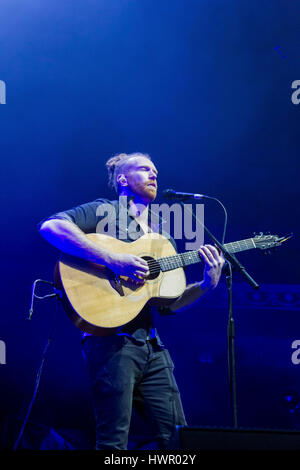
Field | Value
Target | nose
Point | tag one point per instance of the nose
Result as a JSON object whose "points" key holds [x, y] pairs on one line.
{"points": [[153, 175]]}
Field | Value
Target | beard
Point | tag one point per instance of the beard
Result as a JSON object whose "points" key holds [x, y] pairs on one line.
{"points": [[144, 191]]}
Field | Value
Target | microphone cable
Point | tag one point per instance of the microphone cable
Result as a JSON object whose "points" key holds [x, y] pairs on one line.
{"points": [[225, 216], [47, 344]]}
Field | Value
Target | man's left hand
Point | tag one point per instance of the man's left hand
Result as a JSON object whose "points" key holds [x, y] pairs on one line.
{"points": [[214, 262]]}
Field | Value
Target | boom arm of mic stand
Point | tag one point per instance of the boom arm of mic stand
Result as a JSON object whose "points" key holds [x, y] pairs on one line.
{"points": [[233, 260], [228, 256]]}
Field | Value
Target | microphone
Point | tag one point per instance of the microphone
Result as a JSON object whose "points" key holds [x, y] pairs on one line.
{"points": [[171, 194]]}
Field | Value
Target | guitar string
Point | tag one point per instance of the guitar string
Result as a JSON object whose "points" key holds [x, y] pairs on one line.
{"points": [[168, 262], [172, 258], [191, 253], [155, 264], [155, 267], [176, 257]]}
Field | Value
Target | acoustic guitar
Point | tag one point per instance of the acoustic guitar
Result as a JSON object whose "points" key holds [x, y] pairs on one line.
{"points": [[98, 301]]}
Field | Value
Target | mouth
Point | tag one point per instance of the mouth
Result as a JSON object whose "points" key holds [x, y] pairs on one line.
{"points": [[153, 185]]}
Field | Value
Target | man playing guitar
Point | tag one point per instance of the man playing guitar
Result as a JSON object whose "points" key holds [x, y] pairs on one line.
{"points": [[131, 366]]}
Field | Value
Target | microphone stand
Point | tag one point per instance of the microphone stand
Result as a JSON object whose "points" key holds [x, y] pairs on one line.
{"points": [[231, 347], [231, 263]]}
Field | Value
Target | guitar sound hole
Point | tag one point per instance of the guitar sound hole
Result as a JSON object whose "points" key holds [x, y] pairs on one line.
{"points": [[154, 267]]}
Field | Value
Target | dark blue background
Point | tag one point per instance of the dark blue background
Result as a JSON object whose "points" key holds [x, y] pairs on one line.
{"points": [[204, 87]]}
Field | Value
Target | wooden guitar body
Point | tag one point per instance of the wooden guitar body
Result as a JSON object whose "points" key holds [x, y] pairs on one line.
{"points": [[98, 302]]}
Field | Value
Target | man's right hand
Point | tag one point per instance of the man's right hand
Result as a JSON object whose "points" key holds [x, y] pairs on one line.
{"points": [[132, 266]]}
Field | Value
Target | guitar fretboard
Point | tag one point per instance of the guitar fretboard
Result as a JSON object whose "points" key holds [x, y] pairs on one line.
{"points": [[181, 260]]}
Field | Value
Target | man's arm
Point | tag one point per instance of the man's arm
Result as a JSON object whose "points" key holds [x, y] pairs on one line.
{"points": [[70, 239], [214, 263]]}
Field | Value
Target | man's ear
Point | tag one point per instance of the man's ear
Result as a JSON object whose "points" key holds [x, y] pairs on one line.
{"points": [[122, 179]]}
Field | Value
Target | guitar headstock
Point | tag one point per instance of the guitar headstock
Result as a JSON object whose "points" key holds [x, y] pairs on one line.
{"points": [[267, 241]]}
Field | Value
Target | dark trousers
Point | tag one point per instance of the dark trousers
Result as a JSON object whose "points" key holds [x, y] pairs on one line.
{"points": [[124, 374]]}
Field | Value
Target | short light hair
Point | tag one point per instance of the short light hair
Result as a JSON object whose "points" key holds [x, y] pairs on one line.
{"points": [[115, 165]]}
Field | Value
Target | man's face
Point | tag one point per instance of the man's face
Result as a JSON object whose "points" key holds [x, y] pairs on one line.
{"points": [[141, 176]]}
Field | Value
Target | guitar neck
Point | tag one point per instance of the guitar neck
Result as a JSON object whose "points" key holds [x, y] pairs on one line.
{"points": [[181, 260]]}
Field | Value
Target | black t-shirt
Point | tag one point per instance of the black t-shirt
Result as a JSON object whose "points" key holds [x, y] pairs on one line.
{"points": [[114, 218]]}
